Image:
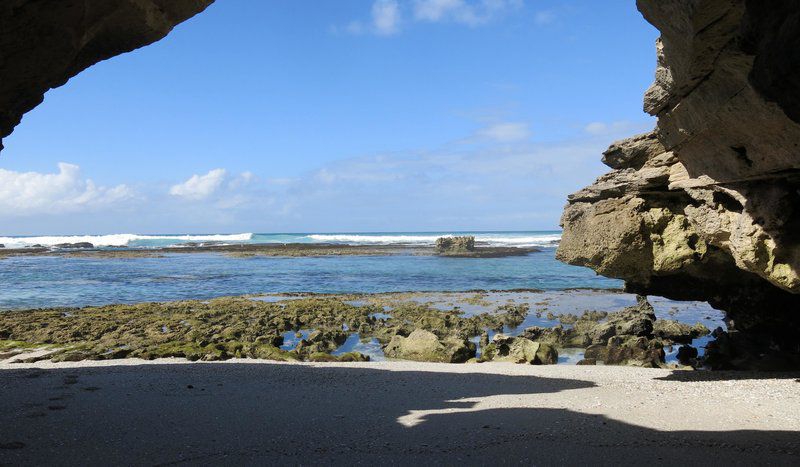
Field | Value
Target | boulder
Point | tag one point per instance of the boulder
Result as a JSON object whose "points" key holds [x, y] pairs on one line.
{"points": [[520, 350], [674, 331], [686, 354], [635, 351], [425, 346]]}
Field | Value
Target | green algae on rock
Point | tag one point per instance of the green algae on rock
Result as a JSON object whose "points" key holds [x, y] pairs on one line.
{"points": [[425, 346], [235, 327]]}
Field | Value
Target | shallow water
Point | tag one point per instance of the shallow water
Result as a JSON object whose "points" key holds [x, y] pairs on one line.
{"points": [[47, 281], [540, 303]]}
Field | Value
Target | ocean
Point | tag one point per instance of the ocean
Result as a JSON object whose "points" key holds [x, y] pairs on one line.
{"points": [[46, 281], [34, 281]]}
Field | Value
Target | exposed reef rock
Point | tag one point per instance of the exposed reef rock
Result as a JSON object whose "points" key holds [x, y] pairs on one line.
{"points": [[509, 349], [455, 244], [425, 346], [43, 43], [707, 206], [632, 336]]}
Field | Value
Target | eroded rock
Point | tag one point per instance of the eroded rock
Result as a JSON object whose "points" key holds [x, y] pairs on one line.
{"points": [[425, 346], [707, 206], [509, 349]]}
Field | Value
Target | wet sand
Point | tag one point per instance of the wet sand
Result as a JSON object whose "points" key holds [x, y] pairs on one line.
{"points": [[255, 412]]}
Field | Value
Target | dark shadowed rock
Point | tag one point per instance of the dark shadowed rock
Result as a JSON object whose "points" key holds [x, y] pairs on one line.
{"points": [[686, 354], [634, 351], [43, 43]]}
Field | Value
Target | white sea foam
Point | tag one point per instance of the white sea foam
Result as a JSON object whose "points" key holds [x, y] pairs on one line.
{"points": [[375, 239], [423, 239], [117, 239]]}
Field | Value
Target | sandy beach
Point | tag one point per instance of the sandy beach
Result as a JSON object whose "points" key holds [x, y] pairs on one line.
{"points": [[238, 412]]}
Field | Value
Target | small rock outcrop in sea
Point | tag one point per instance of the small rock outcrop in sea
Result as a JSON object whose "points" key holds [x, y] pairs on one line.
{"points": [[464, 247], [707, 206], [445, 245], [425, 346]]}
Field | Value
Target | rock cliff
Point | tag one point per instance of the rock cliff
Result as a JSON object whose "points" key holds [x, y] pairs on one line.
{"points": [[43, 43], [707, 206]]}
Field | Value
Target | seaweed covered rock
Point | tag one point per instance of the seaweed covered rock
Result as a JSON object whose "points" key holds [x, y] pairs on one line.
{"points": [[425, 346], [637, 320], [505, 348]]}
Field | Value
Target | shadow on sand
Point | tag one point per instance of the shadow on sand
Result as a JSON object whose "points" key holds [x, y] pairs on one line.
{"points": [[238, 414]]}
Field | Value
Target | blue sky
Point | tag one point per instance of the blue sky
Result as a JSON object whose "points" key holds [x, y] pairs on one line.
{"points": [[353, 115]]}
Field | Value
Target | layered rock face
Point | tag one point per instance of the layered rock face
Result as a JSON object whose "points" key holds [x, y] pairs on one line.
{"points": [[43, 43], [707, 206]]}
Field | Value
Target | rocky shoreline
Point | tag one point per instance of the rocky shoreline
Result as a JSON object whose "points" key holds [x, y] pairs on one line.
{"points": [[306, 327]]}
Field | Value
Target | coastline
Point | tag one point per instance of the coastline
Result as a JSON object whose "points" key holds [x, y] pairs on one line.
{"points": [[268, 249], [475, 326], [255, 412]]}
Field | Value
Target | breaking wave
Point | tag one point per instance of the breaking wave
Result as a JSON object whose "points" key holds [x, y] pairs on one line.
{"points": [[429, 239], [119, 239]]}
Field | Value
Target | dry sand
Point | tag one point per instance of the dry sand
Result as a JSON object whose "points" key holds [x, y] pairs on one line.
{"points": [[253, 412]]}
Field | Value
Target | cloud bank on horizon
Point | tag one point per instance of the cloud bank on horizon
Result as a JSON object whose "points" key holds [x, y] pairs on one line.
{"points": [[417, 115], [502, 179]]}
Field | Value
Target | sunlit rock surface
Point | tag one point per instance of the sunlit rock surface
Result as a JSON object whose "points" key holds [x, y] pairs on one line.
{"points": [[43, 43], [706, 206]]}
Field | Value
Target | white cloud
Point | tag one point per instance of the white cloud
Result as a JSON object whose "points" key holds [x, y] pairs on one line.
{"points": [[199, 187], [506, 132], [386, 17], [462, 11], [385, 20], [30, 193]]}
